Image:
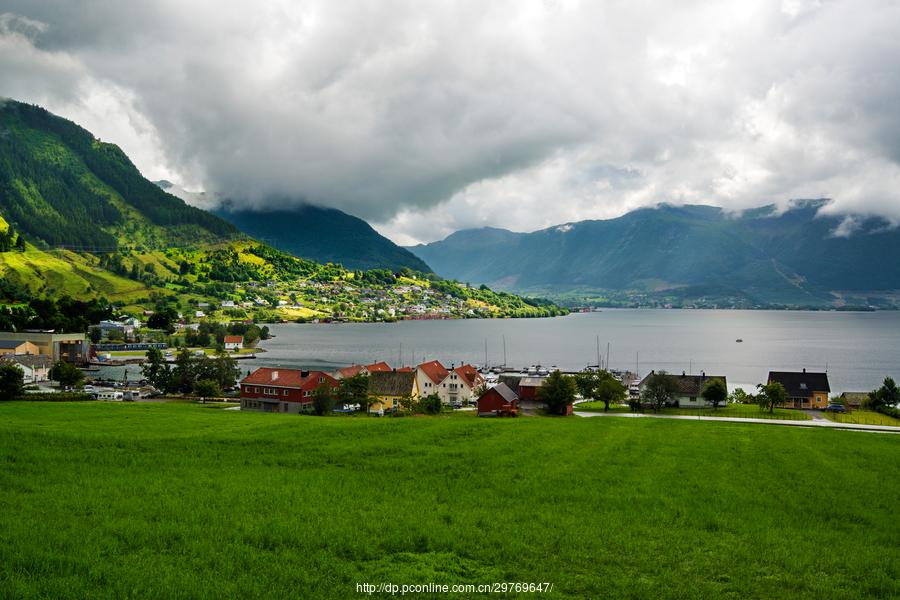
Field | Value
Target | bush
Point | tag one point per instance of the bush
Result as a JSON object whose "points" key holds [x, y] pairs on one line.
{"points": [[60, 397]]}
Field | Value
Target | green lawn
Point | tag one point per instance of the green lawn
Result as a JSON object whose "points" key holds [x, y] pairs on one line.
{"points": [[862, 417], [750, 411], [184, 500]]}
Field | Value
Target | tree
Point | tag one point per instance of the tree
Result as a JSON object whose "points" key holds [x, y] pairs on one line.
{"points": [[354, 390], [163, 319], [222, 369], [207, 388], [770, 395], [156, 371], [714, 392], [600, 386], [557, 392], [184, 373], [323, 399], [430, 404], [12, 381], [887, 396], [95, 334], [659, 389], [66, 374], [739, 396]]}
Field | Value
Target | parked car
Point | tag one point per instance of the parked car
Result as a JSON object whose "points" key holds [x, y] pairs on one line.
{"points": [[835, 407]]}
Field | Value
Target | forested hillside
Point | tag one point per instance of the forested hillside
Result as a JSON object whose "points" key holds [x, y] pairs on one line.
{"points": [[60, 186]]}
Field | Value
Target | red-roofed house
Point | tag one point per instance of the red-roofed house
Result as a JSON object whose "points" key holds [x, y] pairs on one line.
{"points": [[351, 371], [282, 390], [379, 367], [429, 376], [234, 342]]}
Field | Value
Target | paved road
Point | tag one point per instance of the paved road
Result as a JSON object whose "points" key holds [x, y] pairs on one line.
{"points": [[824, 423]]}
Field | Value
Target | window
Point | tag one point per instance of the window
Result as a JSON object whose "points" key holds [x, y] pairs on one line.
{"points": [[306, 394], [285, 392], [321, 380]]}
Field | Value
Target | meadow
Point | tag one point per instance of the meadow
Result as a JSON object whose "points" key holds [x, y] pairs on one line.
{"points": [[744, 411], [186, 500]]}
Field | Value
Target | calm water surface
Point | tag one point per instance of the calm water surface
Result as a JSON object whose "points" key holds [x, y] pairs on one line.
{"points": [[857, 349]]}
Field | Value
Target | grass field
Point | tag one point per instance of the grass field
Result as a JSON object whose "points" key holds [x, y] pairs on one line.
{"points": [[746, 411], [181, 500], [862, 417]]}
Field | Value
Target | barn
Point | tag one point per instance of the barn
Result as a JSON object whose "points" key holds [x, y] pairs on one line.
{"points": [[499, 401]]}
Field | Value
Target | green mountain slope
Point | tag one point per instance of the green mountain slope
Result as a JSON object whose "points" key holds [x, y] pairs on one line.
{"points": [[325, 235], [60, 186], [760, 256], [78, 219]]}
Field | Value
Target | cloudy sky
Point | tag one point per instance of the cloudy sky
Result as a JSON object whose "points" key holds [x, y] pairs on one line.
{"points": [[427, 117]]}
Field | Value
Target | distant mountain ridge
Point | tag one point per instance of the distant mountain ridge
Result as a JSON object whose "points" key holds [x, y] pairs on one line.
{"points": [[311, 232], [325, 235], [793, 257]]}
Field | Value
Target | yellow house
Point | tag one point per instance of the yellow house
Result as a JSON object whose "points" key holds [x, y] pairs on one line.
{"points": [[804, 390], [12, 347], [389, 388]]}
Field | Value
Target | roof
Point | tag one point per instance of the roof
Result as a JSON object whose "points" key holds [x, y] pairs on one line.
{"points": [[350, 371], [292, 378], [801, 384], [379, 367], [29, 360], [11, 343], [434, 370], [469, 374], [392, 383], [531, 382], [505, 392], [234, 339], [688, 385], [406, 369]]}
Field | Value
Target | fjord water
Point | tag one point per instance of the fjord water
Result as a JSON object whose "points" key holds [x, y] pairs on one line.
{"points": [[858, 349]]}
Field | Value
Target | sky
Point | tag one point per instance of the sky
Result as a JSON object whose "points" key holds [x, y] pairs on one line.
{"points": [[428, 117]]}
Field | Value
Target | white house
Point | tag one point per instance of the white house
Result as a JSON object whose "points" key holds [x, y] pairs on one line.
{"points": [[234, 342], [453, 385], [35, 367]]}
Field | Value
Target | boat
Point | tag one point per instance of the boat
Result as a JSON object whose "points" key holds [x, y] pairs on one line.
{"points": [[739, 340]]}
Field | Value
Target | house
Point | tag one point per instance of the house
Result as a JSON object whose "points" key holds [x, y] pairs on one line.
{"points": [[378, 367], [71, 347], [453, 386], [429, 377], [854, 399], [388, 388], [282, 390], [352, 370], [689, 388], [35, 367], [527, 391], [462, 383], [499, 401], [234, 342], [14, 347], [804, 390]]}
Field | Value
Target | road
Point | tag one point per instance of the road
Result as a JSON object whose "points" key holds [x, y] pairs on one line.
{"points": [[822, 422]]}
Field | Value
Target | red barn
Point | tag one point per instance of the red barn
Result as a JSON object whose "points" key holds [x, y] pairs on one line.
{"points": [[282, 390], [499, 401]]}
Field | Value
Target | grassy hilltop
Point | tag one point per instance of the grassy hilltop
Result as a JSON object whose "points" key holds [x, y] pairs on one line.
{"points": [[184, 500]]}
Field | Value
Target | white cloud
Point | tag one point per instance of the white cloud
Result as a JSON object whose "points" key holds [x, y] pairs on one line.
{"points": [[428, 117]]}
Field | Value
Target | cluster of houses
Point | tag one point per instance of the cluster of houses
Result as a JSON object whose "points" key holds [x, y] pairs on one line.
{"points": [[34, 352], [804, 389], [291, 390]]}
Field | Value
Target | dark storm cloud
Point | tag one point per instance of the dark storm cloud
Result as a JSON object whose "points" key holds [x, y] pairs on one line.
{"points": [[431, 116]]}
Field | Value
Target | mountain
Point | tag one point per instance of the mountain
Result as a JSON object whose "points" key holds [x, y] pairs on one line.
{"points": [[62, 187], [312, 232], [325, 235], [759, 257], [77, 219]]}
